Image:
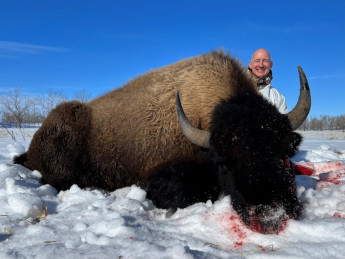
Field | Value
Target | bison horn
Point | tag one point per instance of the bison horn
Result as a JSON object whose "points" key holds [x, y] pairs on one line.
{"points": [[195, 135], [300, 112]]}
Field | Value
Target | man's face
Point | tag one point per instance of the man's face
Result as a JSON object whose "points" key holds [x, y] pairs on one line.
{"points": [[261, 63]]}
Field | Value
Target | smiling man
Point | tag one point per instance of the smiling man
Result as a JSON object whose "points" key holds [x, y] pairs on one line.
{"points": [[260, 67]]}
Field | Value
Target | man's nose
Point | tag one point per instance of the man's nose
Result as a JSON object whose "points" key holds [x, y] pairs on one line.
{"points": [[261, 63]]}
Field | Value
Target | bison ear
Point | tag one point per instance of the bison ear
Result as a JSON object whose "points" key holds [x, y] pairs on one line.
{"points": [[196, 136]]}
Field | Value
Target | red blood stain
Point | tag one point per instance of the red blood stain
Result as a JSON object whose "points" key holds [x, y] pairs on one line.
{"points": [[232, 225], [333, 177], [256, 227], [328, 166], [322, 185], [238, 245], [262, 248], [338, 215], [304, 170], [236, 229], [329, 178], [336, 182], [319, 167]]}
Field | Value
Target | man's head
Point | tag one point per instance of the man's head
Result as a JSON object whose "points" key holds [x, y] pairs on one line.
{"points": [[261, 63]]}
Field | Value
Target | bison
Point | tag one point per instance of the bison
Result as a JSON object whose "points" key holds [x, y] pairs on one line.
{"points": [[238, 145]]}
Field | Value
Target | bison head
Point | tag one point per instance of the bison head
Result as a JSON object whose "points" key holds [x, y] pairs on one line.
{"points": [[250, 143]]}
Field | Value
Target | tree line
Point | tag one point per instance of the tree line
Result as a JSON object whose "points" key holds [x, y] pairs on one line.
{"points": [[324, 122], [17, 109]]}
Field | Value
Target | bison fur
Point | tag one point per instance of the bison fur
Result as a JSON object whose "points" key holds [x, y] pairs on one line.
{"points": [[133, 136]]}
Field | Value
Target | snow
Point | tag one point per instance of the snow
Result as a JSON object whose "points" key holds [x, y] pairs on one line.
{"points": [[36, 221]]}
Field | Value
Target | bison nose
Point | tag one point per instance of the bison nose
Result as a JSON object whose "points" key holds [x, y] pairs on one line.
{"points": [[266, 219]]}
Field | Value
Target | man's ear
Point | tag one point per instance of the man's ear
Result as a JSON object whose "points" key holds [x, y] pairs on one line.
{"points": [[271, 63], [251, 66]]}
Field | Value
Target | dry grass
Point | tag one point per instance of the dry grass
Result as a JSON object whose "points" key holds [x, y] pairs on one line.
{"points": [[38, 217], [16, 133], [8, 232], [330, 134], [41, 215]]}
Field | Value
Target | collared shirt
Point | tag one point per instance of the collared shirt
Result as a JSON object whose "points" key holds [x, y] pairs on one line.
{"points": [[274, 97]]}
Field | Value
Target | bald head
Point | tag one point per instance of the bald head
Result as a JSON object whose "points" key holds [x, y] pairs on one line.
{"points": [[261, 52], [261, 63]]}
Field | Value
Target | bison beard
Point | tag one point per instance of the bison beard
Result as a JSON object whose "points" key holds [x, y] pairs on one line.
{"points": [[249, 143]]}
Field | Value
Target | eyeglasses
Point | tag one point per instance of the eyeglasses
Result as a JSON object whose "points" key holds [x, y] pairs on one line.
{"points": [[265, 61]]}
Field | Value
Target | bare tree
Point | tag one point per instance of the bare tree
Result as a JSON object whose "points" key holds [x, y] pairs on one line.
{"points": [[324, 122], [50, 101], [340, 123], [305, 125], [35, 115], [15, 106], [316, 124], [82, 96], [7, 117]]}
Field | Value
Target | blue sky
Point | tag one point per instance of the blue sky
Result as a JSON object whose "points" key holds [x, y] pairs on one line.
{"points": [[99, 45]]}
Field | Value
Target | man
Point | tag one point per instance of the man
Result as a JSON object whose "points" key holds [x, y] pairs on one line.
{"points": [[260, 67]]}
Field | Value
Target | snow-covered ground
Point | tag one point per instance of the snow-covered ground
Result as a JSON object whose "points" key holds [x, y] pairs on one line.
{"points": [[38, 222]]}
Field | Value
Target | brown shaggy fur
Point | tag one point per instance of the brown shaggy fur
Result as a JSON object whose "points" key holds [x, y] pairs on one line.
{"points": [[117, 139]]}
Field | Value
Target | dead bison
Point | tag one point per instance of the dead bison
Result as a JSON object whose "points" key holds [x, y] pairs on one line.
{"points": [[238, 145]]}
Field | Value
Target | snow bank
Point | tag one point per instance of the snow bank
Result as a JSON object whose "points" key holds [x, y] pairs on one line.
{"points": [[38, 222]]}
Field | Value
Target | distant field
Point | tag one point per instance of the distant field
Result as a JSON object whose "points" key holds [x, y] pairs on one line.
{"points": [[17, 133], [332, 134]]}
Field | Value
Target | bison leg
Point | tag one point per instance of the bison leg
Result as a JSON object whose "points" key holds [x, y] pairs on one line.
{"points": [[182, 184], [59, 149]]}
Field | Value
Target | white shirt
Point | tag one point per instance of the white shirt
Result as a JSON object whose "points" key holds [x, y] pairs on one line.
{"points": [[274, 97]]}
